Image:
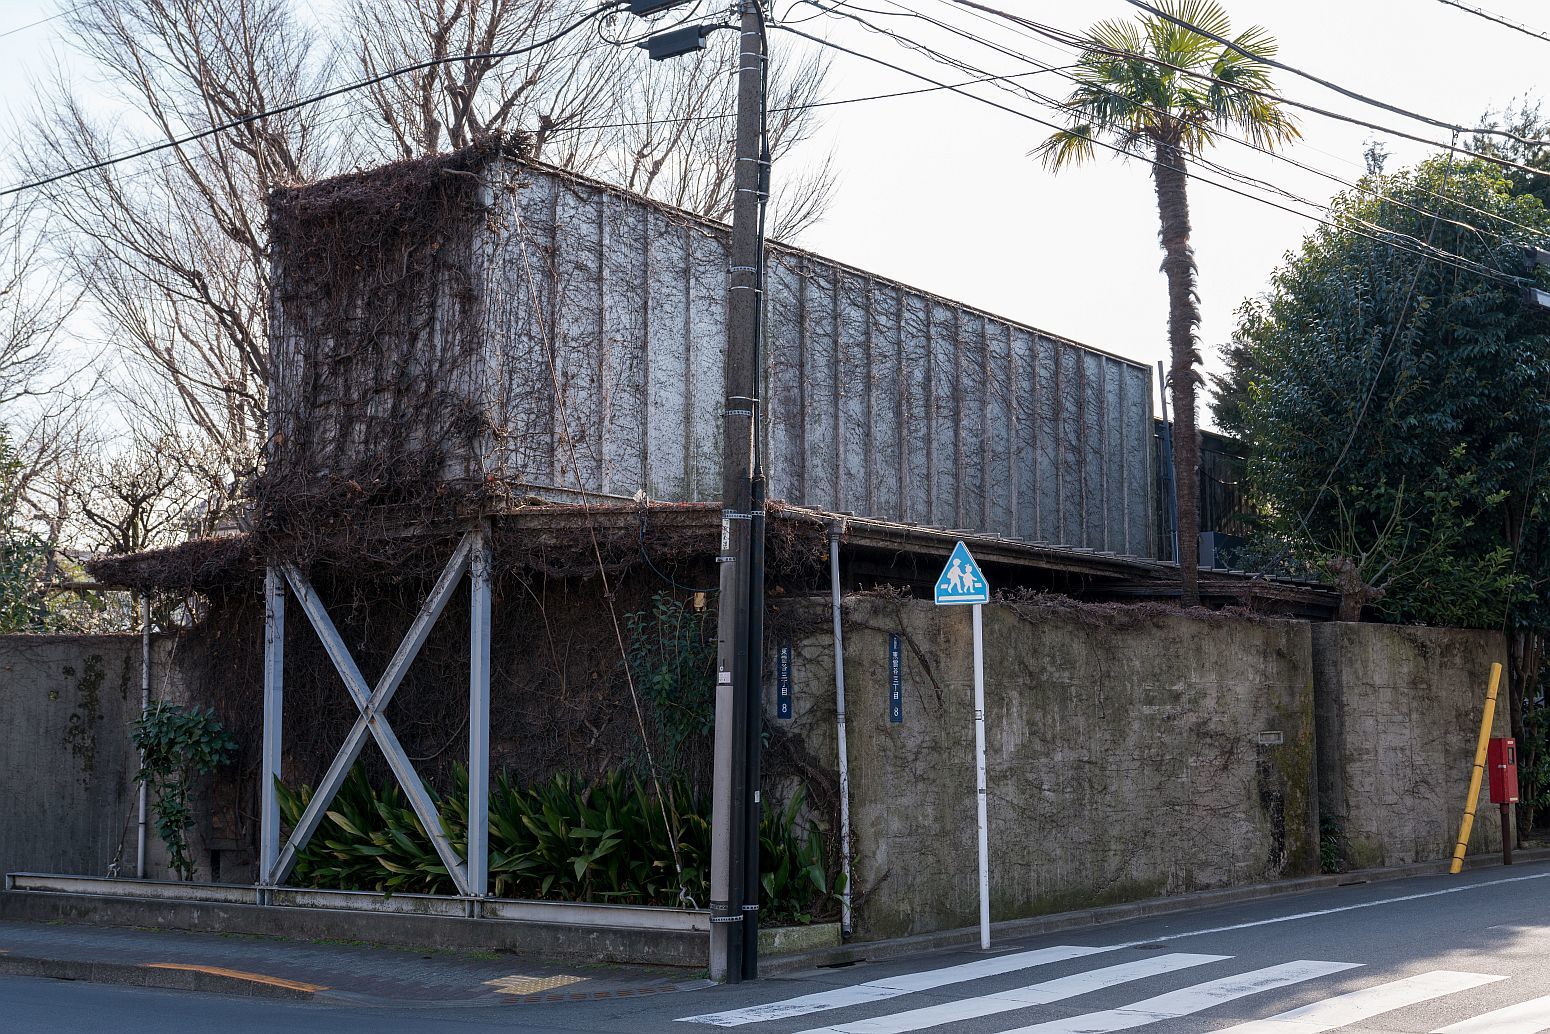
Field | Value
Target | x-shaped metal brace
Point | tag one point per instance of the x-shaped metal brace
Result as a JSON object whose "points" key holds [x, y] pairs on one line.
{"points": [[472, 555]]}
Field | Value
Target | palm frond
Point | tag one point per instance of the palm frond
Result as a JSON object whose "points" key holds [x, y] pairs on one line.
{"points": [[1066, 147]]}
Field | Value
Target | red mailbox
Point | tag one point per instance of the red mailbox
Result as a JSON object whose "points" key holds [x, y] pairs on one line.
{"points": [[1501, 761]]}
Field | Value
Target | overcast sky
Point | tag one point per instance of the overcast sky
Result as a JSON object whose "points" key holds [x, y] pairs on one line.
{"points": [[938, 191]]}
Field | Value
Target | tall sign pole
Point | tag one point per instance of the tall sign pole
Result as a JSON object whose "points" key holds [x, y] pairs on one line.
{"points": [[962, 583]]}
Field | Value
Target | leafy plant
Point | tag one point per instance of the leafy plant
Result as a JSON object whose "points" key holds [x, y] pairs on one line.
{"points": [[565, 839], [176, 745], [672, 657]]}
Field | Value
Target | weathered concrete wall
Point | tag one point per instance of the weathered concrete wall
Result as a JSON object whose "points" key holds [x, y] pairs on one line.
{"points": [[66, 761], [1122, 746], [1398, 713]]}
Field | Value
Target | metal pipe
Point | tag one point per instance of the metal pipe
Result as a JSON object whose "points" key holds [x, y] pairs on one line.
{"points": [[478, 854], [145, 705], [755, 732], [979, 777], [835, 529], [274, 699]]}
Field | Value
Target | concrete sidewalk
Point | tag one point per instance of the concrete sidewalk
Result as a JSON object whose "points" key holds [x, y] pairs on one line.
{"points": [[273, 967]]}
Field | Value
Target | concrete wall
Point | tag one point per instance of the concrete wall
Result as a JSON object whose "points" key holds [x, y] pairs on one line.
{"points": [[66, 761], [1123, 751], [1398, 713]]}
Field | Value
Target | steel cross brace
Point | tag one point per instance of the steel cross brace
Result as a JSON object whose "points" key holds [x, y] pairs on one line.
{"points": [[371, 721]]}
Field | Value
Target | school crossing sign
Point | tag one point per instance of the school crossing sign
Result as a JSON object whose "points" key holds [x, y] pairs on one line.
{"points": [[961, 581]]}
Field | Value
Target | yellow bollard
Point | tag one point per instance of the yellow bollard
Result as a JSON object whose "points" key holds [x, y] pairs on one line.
{"points": [[1479, 770]]}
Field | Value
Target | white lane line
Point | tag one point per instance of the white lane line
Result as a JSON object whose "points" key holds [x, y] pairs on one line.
{"points": [[1529, 1017], [892, 987], [1364, 1004], [1332, 911], [1187, 1000], [1020, 997]]}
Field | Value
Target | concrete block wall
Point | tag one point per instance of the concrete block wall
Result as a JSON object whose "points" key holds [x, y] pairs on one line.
{"points": [[1398, 715], [1124, 747], [67, 763]]}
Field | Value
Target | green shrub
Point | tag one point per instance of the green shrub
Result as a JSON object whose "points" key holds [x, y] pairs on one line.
{"points": [[565, 839]]}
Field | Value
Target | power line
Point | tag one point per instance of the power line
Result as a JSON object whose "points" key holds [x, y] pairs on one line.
{"points": [[1498, 19], [1435, 254], [1344, 91], [1212, 130], [1070, 39], [40, 21], [307, 101]]}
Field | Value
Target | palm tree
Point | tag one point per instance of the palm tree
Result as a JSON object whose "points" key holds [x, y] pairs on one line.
{"points": [[1154, 85]]}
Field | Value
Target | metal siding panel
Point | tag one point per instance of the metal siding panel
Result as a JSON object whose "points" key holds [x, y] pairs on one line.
{"points": [[519, 316], [1048, 409], [785, 373], [577, 339], [1116, 519], [1138, 452], [626, 448], [1072, 491], [945, 422], [1095, 501], [1025, 444], [887, 433], [916, 436], [1000, 483], [707, 361], [854, 379], [667, 421]]}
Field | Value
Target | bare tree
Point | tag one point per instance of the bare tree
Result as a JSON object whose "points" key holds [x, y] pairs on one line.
{"points": [[591, 102], [172, 248]]}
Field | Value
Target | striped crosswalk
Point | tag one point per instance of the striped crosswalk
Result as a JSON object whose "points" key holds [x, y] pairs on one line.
{"points": [[949, 996]]}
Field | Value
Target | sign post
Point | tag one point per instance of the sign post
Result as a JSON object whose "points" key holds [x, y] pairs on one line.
{"points": [[961, 583]]}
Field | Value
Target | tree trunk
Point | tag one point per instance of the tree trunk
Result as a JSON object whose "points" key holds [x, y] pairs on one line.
{"points": [[1183, 318]]}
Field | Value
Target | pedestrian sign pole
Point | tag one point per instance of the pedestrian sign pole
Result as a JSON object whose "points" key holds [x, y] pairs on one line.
{"points": [[961, 583]]}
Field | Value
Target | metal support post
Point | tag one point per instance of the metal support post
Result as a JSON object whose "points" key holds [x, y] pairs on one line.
{"points": [[478, 860], [274, 699], [755, 730], [1507, 834], [979, 776], [839, 720], [143, 804], [731, 773]]}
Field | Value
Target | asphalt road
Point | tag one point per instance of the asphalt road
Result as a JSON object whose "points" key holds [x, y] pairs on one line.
{"points": [[1466, 955]]}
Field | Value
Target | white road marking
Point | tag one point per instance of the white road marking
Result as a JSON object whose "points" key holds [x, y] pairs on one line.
{"points": [[1364, 1004], [1332, 911], [1020, 997], [1529, 1017], [892, 987], [1187, 1000]]}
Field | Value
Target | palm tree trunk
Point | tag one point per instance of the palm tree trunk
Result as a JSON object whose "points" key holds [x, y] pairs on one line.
{"points": [[1183, 317]]}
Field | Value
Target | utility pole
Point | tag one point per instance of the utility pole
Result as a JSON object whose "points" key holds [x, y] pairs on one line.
{"points": [[734, 851]]}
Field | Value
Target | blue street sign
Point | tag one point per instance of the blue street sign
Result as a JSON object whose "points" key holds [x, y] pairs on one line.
{"points": [[895, 679], [783, 681], [961, 581]]}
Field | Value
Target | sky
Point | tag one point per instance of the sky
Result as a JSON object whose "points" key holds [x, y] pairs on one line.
{"points": [[939, 191]]}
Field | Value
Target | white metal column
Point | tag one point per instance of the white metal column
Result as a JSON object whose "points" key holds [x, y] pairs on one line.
{"points": [[478, 860], [274, 698]]}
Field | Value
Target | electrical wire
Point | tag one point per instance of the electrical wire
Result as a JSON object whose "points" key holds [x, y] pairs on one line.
{"points": [[1498, 19], [1328, 84], [308, 101], [1439, 255], [1073, 40], [40, 21], [1239, 177], [1212, 130]]}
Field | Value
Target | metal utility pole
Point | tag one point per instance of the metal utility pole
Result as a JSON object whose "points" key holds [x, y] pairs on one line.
{"points": [[734, 839]]}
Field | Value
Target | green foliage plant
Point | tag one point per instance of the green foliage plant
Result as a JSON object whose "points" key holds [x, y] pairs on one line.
{"points": [[177, 745], [563, 839], [1395, 408], [672, 657]]}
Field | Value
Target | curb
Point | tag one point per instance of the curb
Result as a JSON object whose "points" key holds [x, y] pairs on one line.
{"points": [[253, 985], [866, 951]]}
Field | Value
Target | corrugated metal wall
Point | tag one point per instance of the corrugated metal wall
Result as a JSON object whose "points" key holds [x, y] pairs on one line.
{"points": [[881, 400]]}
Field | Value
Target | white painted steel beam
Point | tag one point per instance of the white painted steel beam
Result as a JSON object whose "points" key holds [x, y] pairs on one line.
{"points": [[274, 699], [371, 720], [479, 712]]}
